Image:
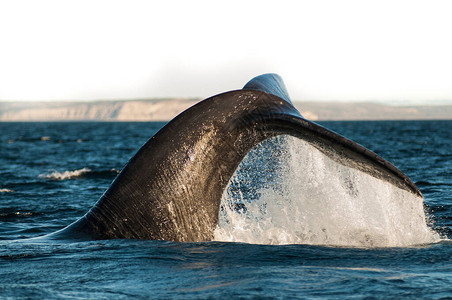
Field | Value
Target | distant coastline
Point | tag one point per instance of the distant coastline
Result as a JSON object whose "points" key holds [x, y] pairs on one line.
{"points": [[166, 109]]}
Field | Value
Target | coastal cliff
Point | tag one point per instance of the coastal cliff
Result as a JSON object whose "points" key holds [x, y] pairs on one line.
{"points": [[166, 109]]}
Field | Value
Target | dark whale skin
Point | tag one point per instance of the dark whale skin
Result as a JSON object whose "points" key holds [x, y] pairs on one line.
{"points": [[172, 188]]}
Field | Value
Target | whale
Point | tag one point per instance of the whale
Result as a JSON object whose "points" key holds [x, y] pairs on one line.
{"points": [[171, 189]]}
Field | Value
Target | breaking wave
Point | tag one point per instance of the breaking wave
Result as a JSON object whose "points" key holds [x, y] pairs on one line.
{"points": [[66, 174], [311, 199], [81, 173]]}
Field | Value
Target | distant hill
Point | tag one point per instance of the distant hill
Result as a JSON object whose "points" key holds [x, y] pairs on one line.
{"points": [[166, 109], [124, 110], [372, 111]]}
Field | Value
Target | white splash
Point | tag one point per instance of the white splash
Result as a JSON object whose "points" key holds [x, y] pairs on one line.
{"points": [[321, 202], [65, 175], [6, 191]]}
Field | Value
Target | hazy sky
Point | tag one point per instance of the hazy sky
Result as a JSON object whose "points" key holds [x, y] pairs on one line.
{"points": [[324, 50]]}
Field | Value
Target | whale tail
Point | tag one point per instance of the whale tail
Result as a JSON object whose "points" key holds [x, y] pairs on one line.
{"points": [[171, 189]]}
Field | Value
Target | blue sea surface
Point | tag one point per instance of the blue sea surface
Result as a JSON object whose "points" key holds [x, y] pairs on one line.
{"points": [[52, 173]]}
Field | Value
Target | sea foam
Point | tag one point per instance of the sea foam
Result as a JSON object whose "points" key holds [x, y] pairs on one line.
{"points": [[318, 201], [65, 175]]}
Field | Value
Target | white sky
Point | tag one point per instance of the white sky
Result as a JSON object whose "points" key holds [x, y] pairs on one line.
{"points": [[324, 50]]}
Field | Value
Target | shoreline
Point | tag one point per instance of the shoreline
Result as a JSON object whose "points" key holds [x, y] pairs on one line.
{"points": [[165, 109]]}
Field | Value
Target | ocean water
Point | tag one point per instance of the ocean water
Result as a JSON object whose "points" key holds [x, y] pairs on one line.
{"points": [[289, 227]]}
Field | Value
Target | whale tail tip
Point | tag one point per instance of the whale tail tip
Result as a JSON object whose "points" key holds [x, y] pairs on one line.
{"points": [[270, 83]]}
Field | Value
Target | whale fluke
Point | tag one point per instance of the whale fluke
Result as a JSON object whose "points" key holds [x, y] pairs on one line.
{"points": [[172, 188]]}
